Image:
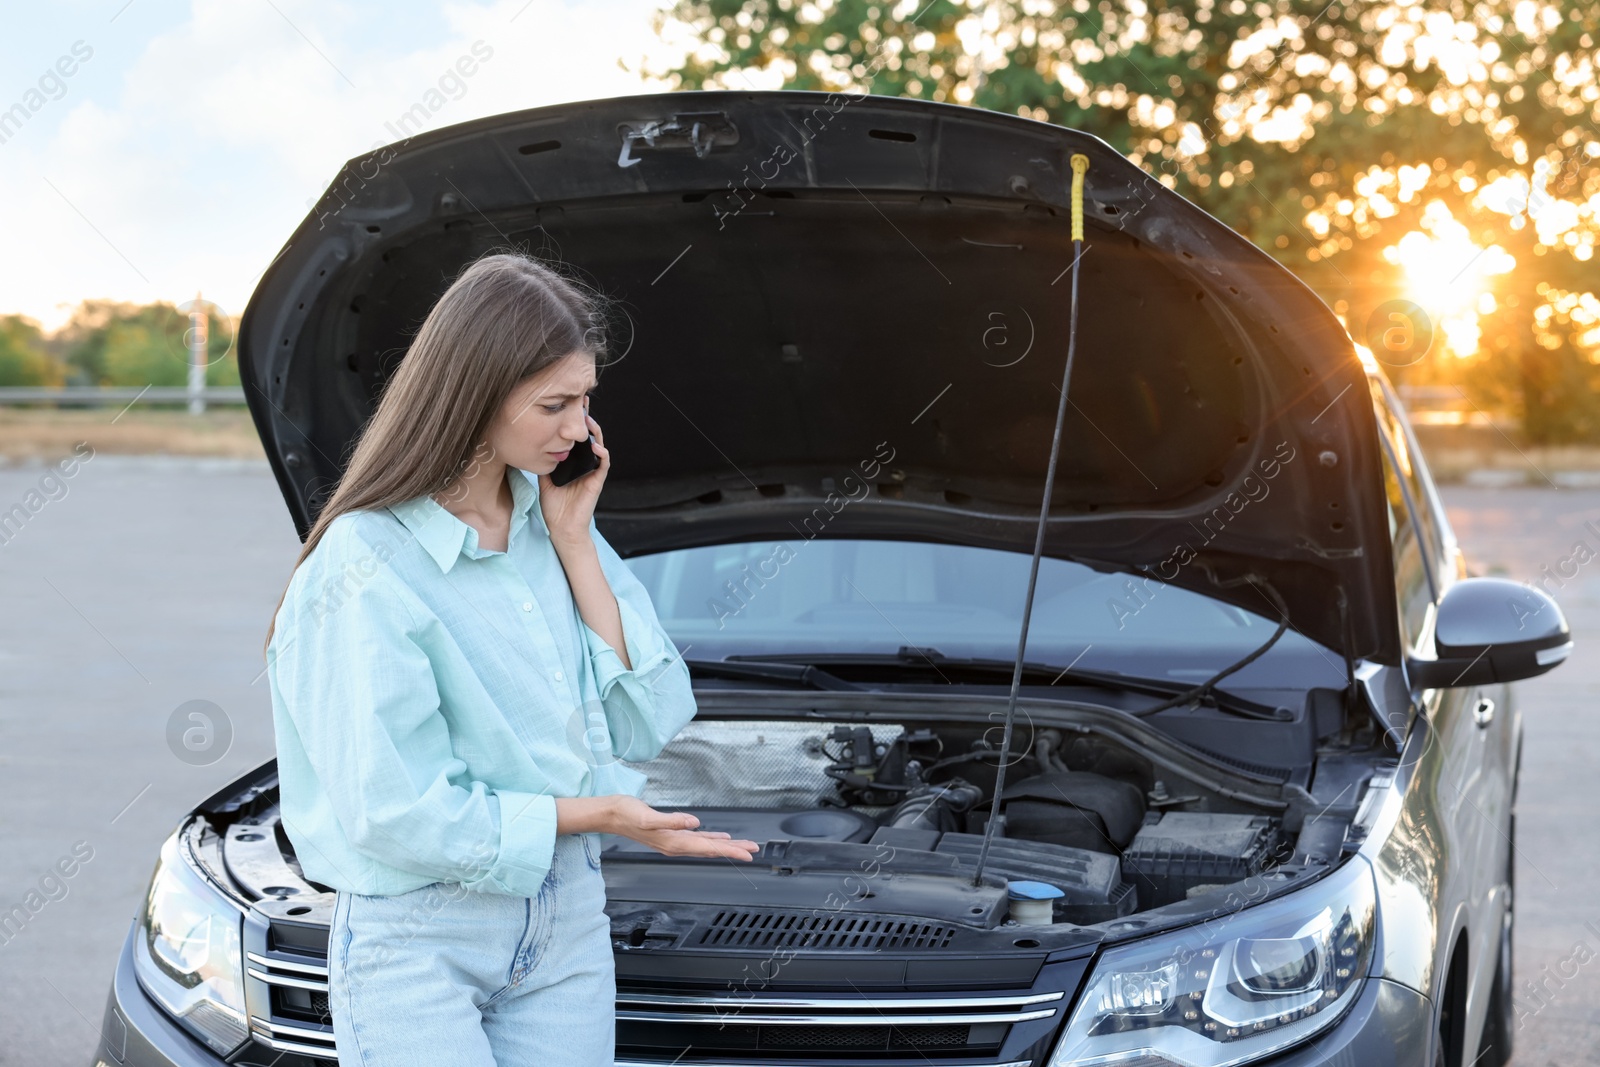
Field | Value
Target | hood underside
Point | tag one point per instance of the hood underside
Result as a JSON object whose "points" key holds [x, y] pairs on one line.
{"points": [[829, 300]]}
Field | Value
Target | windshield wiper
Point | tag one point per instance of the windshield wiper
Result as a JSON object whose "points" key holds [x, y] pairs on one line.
{"points": [[912, 658], [773, 670], [1207, 688]]}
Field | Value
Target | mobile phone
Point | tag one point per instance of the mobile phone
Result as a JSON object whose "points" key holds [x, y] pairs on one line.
{"points": [[580, 461]]}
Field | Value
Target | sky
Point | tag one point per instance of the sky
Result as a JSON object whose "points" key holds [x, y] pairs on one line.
{"points": [[168, 147]]}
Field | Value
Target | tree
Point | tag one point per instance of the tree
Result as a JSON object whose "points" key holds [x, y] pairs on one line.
{"points": [[23, 357], [110, 343], [1326, 132]]}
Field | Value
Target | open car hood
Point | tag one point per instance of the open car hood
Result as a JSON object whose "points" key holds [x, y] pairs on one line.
{"points": [[847, 317]]}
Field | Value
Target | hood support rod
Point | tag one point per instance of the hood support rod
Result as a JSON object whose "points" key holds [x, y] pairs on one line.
{"points": [[1080, 165]]}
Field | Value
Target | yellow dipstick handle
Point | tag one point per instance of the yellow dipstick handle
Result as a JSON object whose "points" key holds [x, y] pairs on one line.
{"points": [[1080, 164]]}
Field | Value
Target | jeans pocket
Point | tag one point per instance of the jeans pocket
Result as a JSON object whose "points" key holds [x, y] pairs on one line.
{"points": [[591, 848]]}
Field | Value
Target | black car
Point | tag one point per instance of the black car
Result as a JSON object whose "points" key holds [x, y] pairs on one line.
{"points": [[1259, 790]]}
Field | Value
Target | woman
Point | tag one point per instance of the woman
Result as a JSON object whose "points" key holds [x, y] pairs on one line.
{"points": [[457, 665]]}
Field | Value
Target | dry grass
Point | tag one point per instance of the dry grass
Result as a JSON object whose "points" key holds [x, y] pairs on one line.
{"points": [[1457, 454], [50, 433]]}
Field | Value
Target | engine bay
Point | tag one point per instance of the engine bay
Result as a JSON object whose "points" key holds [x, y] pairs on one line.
{"points": [[870, 835], [904, 807]]}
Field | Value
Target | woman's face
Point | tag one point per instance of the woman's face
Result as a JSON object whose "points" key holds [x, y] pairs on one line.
{"points": [[543, 416]]}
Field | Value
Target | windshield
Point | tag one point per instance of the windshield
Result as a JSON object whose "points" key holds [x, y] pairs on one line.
{"points": [[875, 596]]}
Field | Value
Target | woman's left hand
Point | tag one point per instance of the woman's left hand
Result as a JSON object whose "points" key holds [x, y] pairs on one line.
{"points": [[568, 509]]}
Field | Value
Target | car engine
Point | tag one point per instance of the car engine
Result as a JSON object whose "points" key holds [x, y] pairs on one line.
{"points": [[1080, 814]]}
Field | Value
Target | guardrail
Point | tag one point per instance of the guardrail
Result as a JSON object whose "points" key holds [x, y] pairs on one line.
{"points": [[89, 396]]}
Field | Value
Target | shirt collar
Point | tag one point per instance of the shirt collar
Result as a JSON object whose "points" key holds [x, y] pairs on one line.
{"points": [[446, 537]]}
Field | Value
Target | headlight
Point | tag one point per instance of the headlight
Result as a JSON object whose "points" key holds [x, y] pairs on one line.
{"points": [[1236, 988], [186, 953]]}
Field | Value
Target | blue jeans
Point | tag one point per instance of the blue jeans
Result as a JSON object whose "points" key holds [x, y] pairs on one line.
{"points": [[448, 977]]}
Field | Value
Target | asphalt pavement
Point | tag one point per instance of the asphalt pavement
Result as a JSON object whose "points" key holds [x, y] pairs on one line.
{"points": [[139, 585]]}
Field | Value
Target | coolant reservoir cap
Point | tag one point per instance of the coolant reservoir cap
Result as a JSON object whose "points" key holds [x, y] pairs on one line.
{"points": [[1025, 890]]}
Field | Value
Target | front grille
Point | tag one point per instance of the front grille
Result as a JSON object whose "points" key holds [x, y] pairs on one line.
{"points": [[319, 1005], [863, 1038], [298, 996], [658, 1029], [658, 1038], [776, 929], [698, 1028], [304, 1041]]}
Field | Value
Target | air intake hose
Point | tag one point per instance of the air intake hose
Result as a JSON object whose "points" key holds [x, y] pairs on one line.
{"points": [[935, 807]]}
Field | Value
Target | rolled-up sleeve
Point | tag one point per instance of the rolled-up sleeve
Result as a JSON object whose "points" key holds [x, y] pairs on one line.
{"points": [[359, 692], [646, 706]]}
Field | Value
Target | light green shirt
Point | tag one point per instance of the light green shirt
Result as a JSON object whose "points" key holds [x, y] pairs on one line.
{"points": [[431, 699]]}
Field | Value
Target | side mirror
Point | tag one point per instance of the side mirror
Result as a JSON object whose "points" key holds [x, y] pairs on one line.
{"points": [[1492, 630]]}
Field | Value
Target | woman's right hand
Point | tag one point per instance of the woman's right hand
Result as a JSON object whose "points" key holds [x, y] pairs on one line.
{"points": [[673, 832]]}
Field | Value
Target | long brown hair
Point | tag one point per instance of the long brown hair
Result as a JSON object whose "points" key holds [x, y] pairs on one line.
{"points": [[506, 317]]}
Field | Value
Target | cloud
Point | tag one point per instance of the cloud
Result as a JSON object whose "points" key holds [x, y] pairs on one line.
{"points": [[196, 170]]}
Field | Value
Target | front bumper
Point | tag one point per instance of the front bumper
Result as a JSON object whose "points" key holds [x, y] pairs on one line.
{"points": [[1389, 1024]]}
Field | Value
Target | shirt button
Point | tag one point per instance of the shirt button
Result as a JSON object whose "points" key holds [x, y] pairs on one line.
{"points": [[527, 605], [558, 676]]}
